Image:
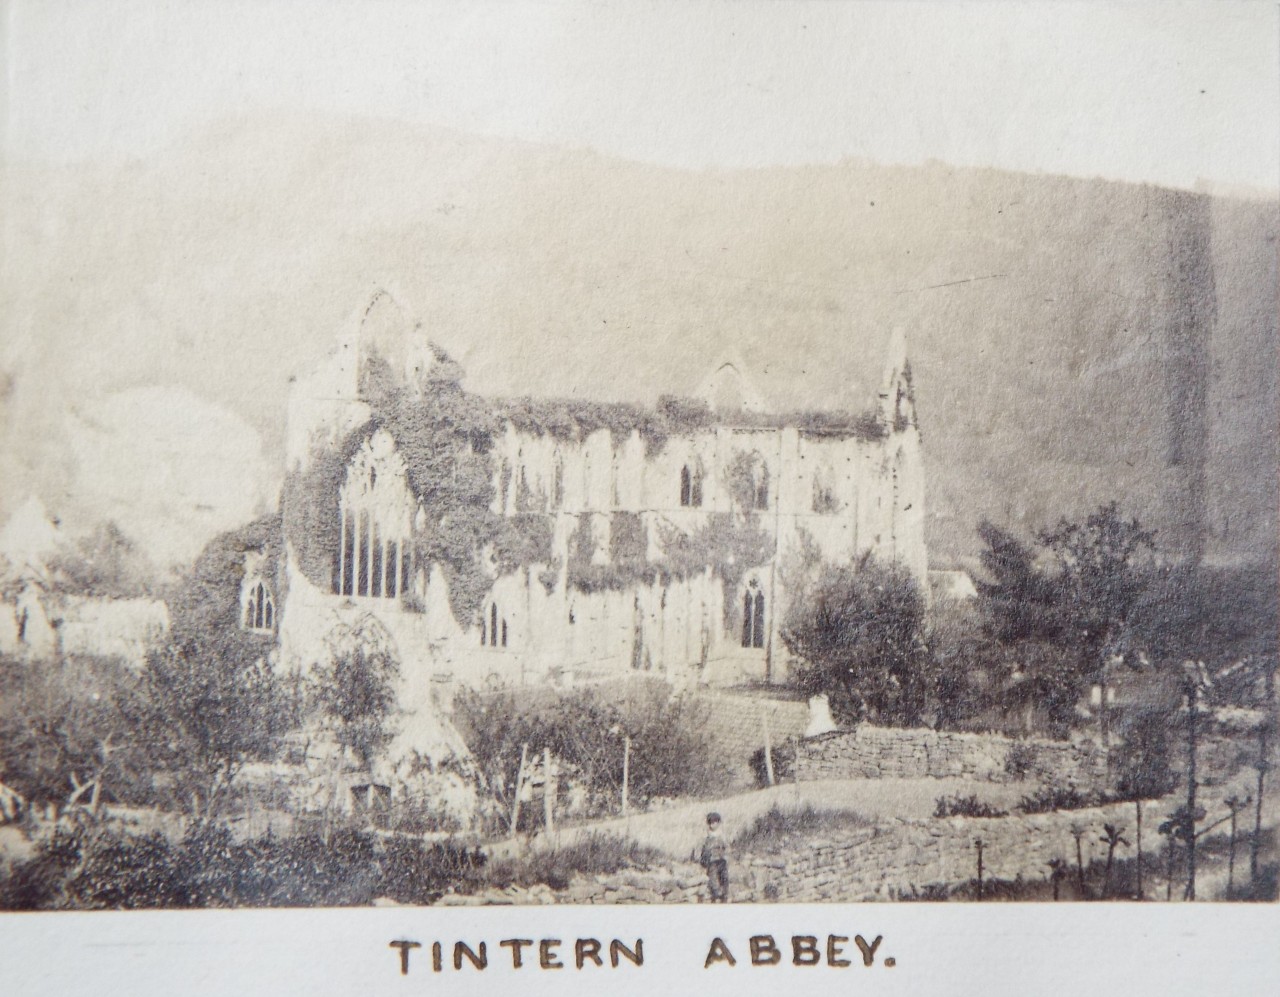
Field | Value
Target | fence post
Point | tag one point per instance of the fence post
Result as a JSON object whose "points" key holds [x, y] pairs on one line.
{"points": [[515, 806], [626, 771], [768, 748], [548, 791]]}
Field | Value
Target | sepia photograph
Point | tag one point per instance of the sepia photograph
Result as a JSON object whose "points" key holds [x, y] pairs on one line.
{"points": [[459, 455]]}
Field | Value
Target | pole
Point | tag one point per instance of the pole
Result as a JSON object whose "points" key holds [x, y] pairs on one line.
{"points": [[1138, 806], [768, 750], [1192, 707], [548, 791], [1256, 840], [978, 844], [515, 806], [626, 771], [1231, 855]]}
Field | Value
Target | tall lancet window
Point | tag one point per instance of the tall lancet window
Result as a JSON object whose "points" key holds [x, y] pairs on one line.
{"points": [[691, 486], [753, 618], [493, 628]]}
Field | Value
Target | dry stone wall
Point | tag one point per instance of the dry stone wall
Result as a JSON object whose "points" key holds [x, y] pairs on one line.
{"points": [[899, 859], [736, 725], [891, 753]]}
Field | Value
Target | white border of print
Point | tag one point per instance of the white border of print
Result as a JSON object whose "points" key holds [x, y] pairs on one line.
{"points": [[991, 950]]}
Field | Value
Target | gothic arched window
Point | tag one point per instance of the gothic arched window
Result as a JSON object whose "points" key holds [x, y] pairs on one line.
{"points": [[686, 485], [259, 609]]}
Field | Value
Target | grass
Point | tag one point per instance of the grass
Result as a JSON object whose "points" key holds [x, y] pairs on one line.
{"points": [[776, 825], [593, 854]]}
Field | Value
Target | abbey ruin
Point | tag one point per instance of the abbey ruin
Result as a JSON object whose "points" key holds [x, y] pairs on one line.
{"points": [[503, 542]]}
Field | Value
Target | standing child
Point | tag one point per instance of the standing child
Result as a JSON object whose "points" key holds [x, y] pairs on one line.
{"points": [[715, 859]]}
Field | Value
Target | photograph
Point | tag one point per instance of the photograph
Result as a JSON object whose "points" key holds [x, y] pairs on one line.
{"points": [[460, 455]]}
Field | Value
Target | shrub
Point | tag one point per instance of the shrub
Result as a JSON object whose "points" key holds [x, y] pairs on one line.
{"points": [[1020, 760], [96, 867], [783, 758], [965, 806], [592, 854], [1049, 798], [585, 731], [777, 825]]}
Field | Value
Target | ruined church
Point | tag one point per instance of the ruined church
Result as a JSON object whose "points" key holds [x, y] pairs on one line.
{"points": [[613, 539]]}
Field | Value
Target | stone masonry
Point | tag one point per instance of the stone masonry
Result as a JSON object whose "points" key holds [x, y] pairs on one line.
{"points": [[890, 753]]}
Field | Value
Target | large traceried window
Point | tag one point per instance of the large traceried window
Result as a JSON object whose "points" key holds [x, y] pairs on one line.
{"points": [[753, 617], [373, 555]]}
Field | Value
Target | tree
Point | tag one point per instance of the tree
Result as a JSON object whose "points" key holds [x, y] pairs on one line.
{"points": [[1102, 571], [205, 714], [66, 734], [858, 633], [1018, 598], [1069, 602], [103, 564], [355, 691]]}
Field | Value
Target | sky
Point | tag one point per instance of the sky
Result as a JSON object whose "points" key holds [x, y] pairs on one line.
{"points": [[1163, 92], [175, 172]]}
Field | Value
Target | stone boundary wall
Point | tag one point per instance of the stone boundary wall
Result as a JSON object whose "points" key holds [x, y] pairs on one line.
{"points": [[735, 726], [899, 859], [892, 753], [885, 862]]}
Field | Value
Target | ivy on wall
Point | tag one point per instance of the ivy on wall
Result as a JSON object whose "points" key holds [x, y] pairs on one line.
{"points": [[445, 435]]}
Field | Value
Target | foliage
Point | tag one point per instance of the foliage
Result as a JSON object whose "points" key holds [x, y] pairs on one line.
{"points": [[859, 636], [965, 806], [95, 866], [1067, 605], [1142, 762], [106, 564], [204, 605], [354, 690], [66, 734], [777, 826], [783, 757], [203, 715], [671, 752], [1020, 760], [1067, 797], [748, 480], [1018, 598], [593, 854], [727, 545], [1102, 572]]}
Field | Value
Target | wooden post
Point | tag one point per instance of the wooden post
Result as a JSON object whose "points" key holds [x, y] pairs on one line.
{"points": [[768, 748], [977, 843], [515, 806], [548, 791], [626, 771], [1138, 806]]}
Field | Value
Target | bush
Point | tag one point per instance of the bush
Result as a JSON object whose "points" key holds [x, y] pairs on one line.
{"points": [[593, 854], [784, 761], [94, 867], [965, 806], [585, 731], [1049, 798], [1020, 760], [777, 825]]}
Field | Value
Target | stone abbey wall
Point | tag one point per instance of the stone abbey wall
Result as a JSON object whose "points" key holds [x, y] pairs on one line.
{"points": [[890, 753]]}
